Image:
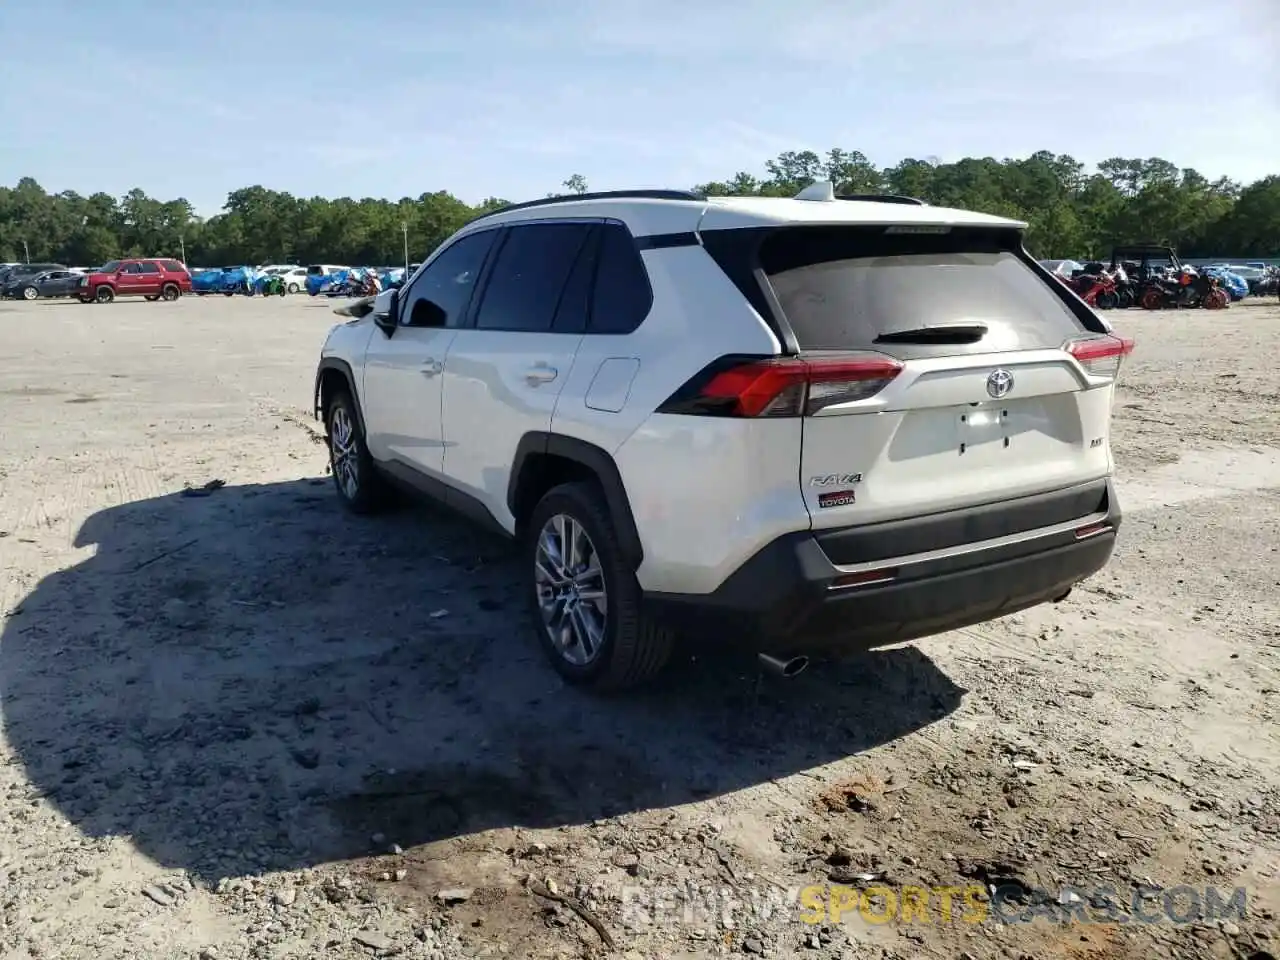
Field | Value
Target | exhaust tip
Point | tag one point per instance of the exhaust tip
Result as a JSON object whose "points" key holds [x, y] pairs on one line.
{"points": [[784, 667]]}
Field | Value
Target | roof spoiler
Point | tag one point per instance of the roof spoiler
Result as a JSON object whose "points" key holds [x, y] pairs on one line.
{"points": [[824, 191]]}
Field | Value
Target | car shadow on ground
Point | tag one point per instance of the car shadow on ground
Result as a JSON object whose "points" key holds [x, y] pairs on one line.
{"points": [[253, 679]]}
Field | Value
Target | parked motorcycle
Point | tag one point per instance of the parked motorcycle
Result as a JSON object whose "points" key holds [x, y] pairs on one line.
{"points": [[1187, 289], [1096, 289], [270, 285]]}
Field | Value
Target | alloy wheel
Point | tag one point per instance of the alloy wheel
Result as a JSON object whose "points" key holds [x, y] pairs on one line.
{"points": [[344, 452], [571, 590]]}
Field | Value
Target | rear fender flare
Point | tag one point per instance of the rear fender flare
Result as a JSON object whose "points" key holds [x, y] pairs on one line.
{"points": [[601, 464]]}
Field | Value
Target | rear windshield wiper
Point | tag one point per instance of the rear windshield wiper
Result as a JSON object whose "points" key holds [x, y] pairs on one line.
{"points": [[945, 333]]}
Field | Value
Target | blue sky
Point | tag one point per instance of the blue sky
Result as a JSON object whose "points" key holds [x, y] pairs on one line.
{"points": [[509, 98]]}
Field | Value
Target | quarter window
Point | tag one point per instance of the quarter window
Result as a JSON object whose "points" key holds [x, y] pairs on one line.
{"points": [[622, 294]]}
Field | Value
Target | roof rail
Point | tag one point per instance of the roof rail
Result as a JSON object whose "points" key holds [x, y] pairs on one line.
{"points": [[603, 195], [882, 198]]}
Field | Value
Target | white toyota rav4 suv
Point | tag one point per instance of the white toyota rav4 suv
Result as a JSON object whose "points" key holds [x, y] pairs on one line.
{"points": [[804, 426]]}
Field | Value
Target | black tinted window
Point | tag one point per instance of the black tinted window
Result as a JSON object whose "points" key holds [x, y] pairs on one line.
{"points": [[439, 297], [622, 295], [841, 288], [575, 302], [148, 268], [528, 276]]}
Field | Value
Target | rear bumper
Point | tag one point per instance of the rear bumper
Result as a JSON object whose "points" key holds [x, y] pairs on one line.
{"points": [[787, 599]]}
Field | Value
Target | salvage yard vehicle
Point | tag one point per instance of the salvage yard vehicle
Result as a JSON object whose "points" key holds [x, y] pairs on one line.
{"points": [[295, 280], [49, 283], [151, 278], [319, 274], [804, 426], [204, 282], [238, 279], [17, 271]]}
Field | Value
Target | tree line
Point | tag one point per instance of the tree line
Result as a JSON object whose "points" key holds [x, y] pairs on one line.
{"points": [[1071, 212]]}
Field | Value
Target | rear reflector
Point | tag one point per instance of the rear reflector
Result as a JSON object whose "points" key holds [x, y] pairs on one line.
{"points": [[1092, 530], [1101, 356], [782, 387], [864, 579]]}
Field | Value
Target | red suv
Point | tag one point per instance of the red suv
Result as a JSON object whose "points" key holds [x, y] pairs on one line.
{"points": [[155, 279]]}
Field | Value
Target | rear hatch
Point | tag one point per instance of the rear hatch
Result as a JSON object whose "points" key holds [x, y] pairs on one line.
{"points": [[930, 368], [950, 371]]}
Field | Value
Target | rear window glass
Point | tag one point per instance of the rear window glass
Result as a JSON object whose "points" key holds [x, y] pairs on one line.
{"points": [[841, 288]]}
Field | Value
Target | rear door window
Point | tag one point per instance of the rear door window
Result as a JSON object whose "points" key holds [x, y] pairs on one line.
{"points": [[575, 301], [148, 268], [845, 288], [524, 288]]}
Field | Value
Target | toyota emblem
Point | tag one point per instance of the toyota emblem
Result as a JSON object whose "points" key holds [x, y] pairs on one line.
{"points": [[999, 383]]}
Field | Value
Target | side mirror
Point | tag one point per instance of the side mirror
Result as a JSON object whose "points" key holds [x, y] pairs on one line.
{"points": [[386, 311]]}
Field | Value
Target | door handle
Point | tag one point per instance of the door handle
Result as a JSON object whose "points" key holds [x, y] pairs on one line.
{"points": [[540, 373], [431, 366]]}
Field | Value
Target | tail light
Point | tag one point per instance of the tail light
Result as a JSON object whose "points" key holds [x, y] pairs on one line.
{"points": [[1101, 356], [782, 386]]}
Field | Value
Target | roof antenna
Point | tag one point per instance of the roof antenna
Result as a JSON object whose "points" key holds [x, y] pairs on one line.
{"points": [[820, 190]]}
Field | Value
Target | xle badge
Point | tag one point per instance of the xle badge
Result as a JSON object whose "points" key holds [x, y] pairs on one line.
{"points": [[838, 498]]}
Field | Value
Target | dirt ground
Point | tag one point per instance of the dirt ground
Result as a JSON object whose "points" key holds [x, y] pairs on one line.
{"points": [[240, 723]]}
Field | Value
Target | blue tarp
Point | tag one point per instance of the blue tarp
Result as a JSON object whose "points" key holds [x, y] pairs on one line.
{"points": [[318, 283], [207, 281], [1235, 285], [238, 279]]}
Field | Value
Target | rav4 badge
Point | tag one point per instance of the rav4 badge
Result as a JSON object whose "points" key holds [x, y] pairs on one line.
{"points": [[832, 479]]}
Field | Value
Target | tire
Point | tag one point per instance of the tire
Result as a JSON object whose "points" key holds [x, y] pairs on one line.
{"points": [[228, 293], [104, 295], [85, 299], [170, 292], [1216, 300], [30, 293], [1151, 299], [627, 647], [292, 288], [360, 487]]}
